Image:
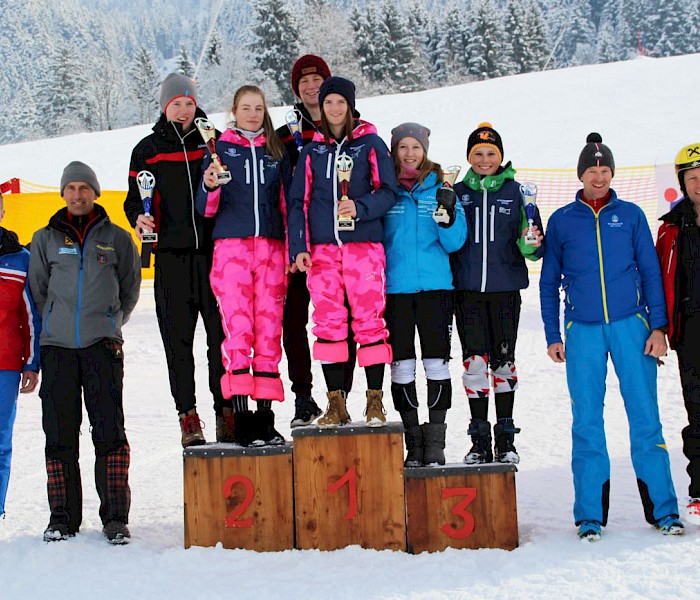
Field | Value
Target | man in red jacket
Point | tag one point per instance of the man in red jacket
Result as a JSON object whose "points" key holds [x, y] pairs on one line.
{"points": [[678, 247], [20, 324]]}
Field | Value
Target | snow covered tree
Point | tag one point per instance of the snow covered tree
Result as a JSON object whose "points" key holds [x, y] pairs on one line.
{"points": [[213, 53], [490, 54], [145, 82], [276, 46], [184, 62], [526, 30], [671, 18]]}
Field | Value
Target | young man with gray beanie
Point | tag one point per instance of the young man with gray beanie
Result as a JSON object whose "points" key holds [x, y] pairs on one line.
{"points": [[85, 277], [599, 251], [173, 153]]}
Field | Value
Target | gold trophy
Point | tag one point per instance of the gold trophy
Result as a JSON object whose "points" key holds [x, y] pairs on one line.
{"points": [[208, 132], [343, 167], [449, 176]]}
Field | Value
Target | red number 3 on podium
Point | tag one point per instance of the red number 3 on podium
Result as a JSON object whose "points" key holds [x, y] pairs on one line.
{"points": [[460, 510]]}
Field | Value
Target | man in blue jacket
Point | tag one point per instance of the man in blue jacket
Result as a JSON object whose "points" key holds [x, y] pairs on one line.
{"points": [[601, 253]]}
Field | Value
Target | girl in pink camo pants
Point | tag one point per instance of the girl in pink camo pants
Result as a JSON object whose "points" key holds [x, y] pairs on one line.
{"points": [[248, 271], [344, 262]]}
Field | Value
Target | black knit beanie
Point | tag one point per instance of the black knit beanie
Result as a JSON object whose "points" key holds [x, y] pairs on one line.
{"points": [[595, 154], [484, 135]]}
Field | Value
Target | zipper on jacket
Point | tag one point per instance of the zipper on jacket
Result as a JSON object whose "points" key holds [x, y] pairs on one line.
{"points": [[670, 256], [484, 249], [189, 181], [334, 176], [80, 293], [256, 208], [600, 258]]}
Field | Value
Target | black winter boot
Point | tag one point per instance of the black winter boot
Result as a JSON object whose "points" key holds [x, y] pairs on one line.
{"points": [[414, 447], [504, 433], [266, 435], [480, 432], [244, 428], [434, 443]]}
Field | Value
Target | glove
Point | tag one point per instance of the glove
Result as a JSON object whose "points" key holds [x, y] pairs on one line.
{"points": [[447, 199]]}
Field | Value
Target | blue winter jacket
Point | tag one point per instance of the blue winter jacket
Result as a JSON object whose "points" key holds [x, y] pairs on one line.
{"points": [[606, 264], [252, 203], [492, 258], [417, 249], [314, 195]]}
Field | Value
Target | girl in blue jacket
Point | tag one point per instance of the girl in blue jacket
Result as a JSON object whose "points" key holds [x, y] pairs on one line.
{"points": [[419, 290], [489, 272]]}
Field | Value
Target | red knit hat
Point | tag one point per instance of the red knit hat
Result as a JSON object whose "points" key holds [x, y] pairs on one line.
{"points": [[308, 64]]}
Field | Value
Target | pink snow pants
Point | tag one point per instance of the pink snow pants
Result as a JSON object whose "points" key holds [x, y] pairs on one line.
{"points": [[248, 280], [358, 269]]}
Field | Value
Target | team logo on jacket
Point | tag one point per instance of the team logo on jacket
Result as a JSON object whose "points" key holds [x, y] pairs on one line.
{"points": [[615, 221], [465, 199], [355, 151], [67, 241], [232, 152], [322, 149]]}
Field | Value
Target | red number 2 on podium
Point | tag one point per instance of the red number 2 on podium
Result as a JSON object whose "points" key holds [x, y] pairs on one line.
{"points": [[350, 478], [234, 520], [460, 510]]}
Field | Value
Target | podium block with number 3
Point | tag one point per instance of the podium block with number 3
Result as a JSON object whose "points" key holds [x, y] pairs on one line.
{"points": [[459, 506], [348, 487], [240, 497]]}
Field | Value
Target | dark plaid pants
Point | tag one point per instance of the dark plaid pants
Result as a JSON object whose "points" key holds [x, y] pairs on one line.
{"points": [[94, 374]]}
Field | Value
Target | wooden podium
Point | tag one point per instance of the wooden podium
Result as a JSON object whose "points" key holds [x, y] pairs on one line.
{"points": [[460, 506], [348, 487], [240, 497]]}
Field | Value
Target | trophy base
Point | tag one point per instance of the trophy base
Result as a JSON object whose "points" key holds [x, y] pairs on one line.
{"points": [[149, 237], [346, 224], [441, 216], [223, 177]]}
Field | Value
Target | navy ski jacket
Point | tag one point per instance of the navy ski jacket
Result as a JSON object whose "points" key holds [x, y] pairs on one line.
{"points": [[314, 195]]}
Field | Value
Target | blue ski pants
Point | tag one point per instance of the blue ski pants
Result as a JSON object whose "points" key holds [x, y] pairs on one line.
{"points": [[9, 388], [587, 350]]}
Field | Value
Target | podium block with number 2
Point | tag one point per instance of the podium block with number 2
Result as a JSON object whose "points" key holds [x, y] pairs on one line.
{"points": [[348, 487], [239, 497], [460, 506]]}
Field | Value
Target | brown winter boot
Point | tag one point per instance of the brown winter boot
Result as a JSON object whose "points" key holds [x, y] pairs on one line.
{"points": [[224, 427], [336, 413], [375, 412], [191, 428]]}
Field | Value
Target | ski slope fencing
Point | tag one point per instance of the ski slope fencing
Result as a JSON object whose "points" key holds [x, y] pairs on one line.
{"points": [[653, 188]]}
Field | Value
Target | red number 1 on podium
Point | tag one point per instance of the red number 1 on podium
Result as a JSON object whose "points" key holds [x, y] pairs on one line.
{"points": [[350, 478]]}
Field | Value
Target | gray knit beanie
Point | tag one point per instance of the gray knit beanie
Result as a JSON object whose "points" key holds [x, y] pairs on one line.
{"points": [[78, 171], [595, 154], [174, 86], [414, 130]]}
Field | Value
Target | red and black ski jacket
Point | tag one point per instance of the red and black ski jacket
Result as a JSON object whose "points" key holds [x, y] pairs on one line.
{"points": [[669, 247], [175, 159]]}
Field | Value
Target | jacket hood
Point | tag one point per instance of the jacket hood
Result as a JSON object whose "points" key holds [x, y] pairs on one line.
{"points": [[491, 183], [680, 212], [361, 128], [161, 127], [9, 242]]}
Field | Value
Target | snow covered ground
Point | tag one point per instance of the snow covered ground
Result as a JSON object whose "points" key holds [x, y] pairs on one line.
{"points": [[544, 118]]}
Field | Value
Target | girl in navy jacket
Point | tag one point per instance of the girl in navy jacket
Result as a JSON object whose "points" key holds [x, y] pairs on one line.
{"points": [[344, 262], [248, 271]]}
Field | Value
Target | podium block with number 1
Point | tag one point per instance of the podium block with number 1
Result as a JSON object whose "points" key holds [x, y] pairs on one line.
{"points": [[348, 487]]}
